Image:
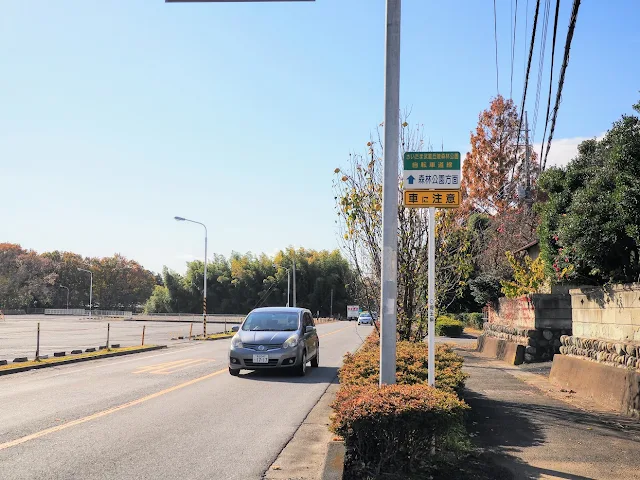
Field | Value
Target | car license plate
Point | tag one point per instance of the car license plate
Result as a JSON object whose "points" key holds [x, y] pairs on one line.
{"points": [[261, 359]]}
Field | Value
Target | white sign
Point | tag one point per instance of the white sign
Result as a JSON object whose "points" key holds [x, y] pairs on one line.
{"points": [[431, 179], [353, 311], [432, 171]]}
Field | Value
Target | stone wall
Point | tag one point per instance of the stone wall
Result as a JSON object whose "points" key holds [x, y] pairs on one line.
{"points": [[540, 344], [622, 354], [611, 313]]}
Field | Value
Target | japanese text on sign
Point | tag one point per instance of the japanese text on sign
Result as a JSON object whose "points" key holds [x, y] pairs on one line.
{"points": [[428, 198]]}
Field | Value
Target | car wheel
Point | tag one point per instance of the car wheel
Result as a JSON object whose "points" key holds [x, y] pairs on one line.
{"points": [[315, 363], [234, 371], [301, 370]]}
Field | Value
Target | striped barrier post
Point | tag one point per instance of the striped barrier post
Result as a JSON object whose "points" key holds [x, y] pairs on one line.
{"points": [[204, 317]]}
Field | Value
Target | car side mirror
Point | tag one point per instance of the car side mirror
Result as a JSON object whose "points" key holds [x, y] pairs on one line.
{"points": [[235, 328], [309, 329]]}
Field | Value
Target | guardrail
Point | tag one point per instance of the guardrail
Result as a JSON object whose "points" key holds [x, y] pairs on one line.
{"points": [[64, 311], [83, 312]]}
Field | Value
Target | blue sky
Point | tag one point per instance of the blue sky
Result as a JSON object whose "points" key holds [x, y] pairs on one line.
{"points": [[115, 116]]}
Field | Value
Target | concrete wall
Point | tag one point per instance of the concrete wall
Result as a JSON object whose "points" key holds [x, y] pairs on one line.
{"points": [[550, 311], [611, 313]]}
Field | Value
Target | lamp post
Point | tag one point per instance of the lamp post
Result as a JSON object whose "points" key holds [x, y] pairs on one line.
{"points": [[90, 289], [62, 286], [204, 301], [288, 281]]}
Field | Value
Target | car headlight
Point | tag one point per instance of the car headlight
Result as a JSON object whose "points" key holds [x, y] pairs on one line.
{"points": [[291, 342], [236, 342]]}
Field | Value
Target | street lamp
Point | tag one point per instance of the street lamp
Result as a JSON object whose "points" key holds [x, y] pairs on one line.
{"points": [[288, 281], [204, 302], [90, 289], [62, 286]]}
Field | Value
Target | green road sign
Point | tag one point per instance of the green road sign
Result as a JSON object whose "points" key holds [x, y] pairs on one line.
{"points": [[432, 171]]}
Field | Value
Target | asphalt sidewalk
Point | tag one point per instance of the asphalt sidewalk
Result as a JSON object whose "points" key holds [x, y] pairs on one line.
{"points": [[519, 424]]}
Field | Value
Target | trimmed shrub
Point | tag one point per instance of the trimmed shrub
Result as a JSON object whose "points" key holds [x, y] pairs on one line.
{"points": [[390, 428], [449, 327], [363, 367], [475, 320]]}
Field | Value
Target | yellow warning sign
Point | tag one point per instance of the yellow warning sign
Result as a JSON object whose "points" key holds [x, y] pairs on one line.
{"points": [[432, 198]]}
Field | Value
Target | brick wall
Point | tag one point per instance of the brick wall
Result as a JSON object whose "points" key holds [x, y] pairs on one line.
{"points": [[550, 311]]}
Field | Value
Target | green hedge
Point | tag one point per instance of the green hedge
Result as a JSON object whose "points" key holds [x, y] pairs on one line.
{"points": [[473, 320], [449, 327], [390, 429]]}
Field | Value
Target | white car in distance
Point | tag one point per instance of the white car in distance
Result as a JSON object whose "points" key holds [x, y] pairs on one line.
{"points": [[365, 319]]}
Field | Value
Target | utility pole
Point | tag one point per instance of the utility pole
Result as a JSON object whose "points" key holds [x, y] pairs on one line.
{"points": [[288, 286], [526, 153], [294, 278], [331, 307], [389, 272]]}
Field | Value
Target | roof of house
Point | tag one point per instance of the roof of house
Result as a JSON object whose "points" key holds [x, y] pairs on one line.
{"points": [[527, 246]]}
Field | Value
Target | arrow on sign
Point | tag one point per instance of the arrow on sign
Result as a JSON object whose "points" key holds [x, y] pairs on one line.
{"points": [[410, 179]]}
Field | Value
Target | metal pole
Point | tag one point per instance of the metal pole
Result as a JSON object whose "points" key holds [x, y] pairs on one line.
{"points": [[143, 329], [190, 330], [288, 286], [90, 294], [331, 308], [204, 306], [108, 332], [38, 344], [67, 299], [389, 285], [294, 278], [431, 371]]}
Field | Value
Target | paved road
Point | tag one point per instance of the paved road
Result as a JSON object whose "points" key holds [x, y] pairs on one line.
{"points": [[65, 333], [161, 415]]}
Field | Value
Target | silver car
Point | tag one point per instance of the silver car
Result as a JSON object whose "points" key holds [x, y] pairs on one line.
{"points": [[275, 337]]}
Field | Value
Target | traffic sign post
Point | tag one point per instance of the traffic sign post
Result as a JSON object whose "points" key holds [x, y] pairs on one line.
{"points": [[432, 180]]}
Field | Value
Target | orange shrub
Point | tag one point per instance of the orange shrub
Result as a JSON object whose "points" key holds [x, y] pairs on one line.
{"points": [[390, 428]]}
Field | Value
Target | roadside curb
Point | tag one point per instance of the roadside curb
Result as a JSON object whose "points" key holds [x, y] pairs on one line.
{"points": [[334, 463], [77, 360], [213, 339]]}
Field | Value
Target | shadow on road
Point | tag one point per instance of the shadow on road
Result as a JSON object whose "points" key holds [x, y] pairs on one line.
{"points": [[314, 375]]}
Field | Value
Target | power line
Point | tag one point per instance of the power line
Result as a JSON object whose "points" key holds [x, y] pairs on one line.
{"points": [[514, 27], [526, 77], [553, 56], [526, 29], [495, 36], [563, 71], [543, 47]]}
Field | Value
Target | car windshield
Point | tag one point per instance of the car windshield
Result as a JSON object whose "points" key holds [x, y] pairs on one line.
{"points": [[271, 322]]}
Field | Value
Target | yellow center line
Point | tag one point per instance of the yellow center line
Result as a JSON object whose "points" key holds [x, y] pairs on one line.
{"points": [[335, 331], [109, 411], [169, 370], [104, 413], [161, 366]]}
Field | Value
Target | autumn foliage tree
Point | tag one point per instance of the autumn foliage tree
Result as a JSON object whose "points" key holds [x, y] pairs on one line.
{"points": [[495, 165], [29, 279], [494, 176]]}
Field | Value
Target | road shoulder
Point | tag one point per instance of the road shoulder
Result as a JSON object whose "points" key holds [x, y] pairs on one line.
{"points": [[304, 456]]}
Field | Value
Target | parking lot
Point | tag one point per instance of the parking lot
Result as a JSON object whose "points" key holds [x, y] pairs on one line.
{"points": [[66, 333]]}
